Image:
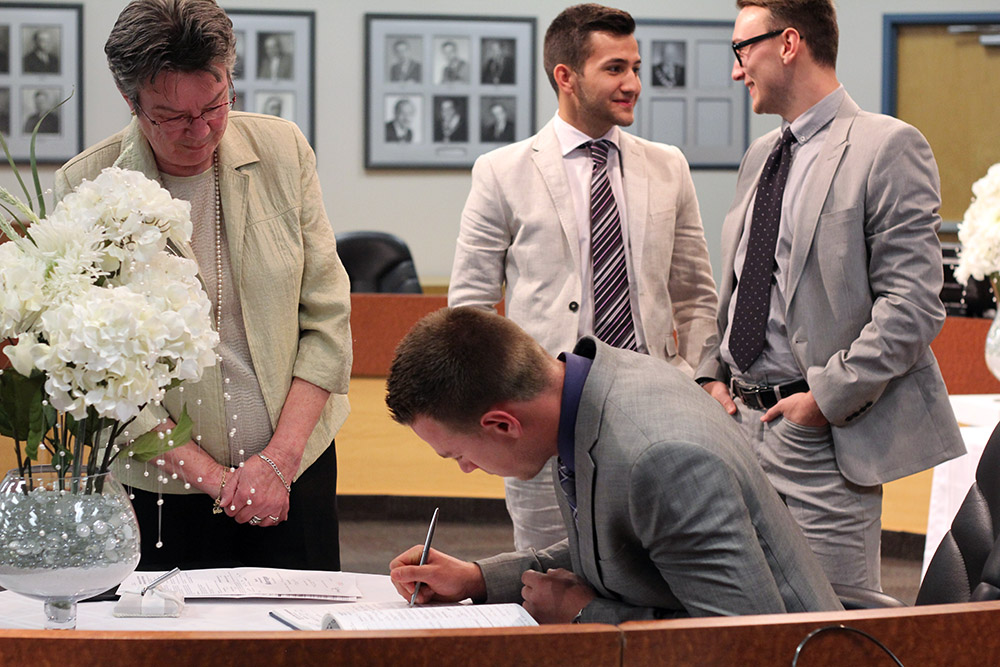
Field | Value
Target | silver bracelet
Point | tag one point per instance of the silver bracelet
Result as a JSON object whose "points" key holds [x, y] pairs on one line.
{"points": [[277, 472]]}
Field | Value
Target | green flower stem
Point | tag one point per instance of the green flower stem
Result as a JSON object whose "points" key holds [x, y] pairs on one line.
{"points": [[22, 469]]}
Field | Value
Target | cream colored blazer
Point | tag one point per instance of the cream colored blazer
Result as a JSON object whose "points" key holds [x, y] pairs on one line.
{"points": [[294, 290]]}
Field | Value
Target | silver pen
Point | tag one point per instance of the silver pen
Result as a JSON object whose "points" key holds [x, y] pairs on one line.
{"points": [[423, 554], [159, 580]]}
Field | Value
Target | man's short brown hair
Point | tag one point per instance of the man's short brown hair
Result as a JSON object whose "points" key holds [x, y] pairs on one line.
{"points": [[567, 40], [815, 20], [457, 363]]}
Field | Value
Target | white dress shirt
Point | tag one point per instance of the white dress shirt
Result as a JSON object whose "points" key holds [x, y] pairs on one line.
{"points": [[579, 170]]}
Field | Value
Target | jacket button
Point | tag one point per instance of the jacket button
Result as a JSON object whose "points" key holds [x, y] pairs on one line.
{"points": [[574, 306]]}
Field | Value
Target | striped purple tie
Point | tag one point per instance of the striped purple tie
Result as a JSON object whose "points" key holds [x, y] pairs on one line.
{"points": [[612, 311]]}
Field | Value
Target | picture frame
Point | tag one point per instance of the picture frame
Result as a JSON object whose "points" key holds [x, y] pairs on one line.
{"points": [[275, 65], [41, 64], [441, 90], [689, 98]]}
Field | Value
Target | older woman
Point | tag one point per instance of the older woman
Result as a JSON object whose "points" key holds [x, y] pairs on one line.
{"points": [[257, 483]]}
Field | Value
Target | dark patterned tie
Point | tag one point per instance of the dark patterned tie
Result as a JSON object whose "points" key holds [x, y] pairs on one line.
{"points": [[567, 480], [753, 302], [612, 311]]}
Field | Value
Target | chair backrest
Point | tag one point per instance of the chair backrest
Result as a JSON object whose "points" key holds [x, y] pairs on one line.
{"points": [[957, 568], [989, 585], [378, 262]]}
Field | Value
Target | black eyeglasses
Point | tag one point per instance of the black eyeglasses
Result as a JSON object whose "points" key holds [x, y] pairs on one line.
{"points": [[183, 121], [739, 46]]}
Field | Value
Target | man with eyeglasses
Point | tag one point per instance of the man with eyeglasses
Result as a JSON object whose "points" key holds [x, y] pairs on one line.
{"points": [[259, 490], [829, 294]]}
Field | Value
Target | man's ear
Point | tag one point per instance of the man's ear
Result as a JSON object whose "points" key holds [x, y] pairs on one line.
{"points": [[502, 423], [791, 45], [565, 78]]}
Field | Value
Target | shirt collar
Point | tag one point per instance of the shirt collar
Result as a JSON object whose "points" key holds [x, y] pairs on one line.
{"points": [[570, 138], [577, 369], [817, 116]]}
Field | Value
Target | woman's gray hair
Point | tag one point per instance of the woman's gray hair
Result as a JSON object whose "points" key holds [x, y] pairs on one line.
{"points": [[155, 36]]}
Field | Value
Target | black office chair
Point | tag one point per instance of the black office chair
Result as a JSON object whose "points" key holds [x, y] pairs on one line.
{"points": [[957, 567], [989, 584], [378, 262], [966, 565]]}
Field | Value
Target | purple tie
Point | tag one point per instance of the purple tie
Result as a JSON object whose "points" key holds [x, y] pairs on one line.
{"points": [[567, 480], [753, 302], [612, 311]]}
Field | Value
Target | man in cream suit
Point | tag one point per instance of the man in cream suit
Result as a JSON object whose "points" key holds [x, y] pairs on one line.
{"points": [[667, 511], [526, 226], [845, 394]]}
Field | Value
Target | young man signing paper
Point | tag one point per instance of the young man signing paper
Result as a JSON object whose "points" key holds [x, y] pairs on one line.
{"points": [[668, 512]]}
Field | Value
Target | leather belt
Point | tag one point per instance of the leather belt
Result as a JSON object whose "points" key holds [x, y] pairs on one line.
{"points": [[763, 396]]}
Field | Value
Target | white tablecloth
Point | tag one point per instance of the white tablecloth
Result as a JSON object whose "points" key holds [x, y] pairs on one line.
{"points": [[977, 416], [17, 611]]}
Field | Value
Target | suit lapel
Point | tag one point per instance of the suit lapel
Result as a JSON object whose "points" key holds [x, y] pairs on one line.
{"points": [[732, 232], [586, 433], [636, 182], [234, 184], [817, 185], [549, 162], [587, 511]]}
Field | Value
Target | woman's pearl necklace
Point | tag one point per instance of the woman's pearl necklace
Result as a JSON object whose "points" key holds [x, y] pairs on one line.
{"points": [[218, 245]]}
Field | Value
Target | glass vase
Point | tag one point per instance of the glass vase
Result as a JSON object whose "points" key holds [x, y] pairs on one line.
{"points": [[65, 538], [993, 335]]}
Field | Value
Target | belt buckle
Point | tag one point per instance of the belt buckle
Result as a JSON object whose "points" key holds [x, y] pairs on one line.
{"points": [[758, 400], [750, 394]]}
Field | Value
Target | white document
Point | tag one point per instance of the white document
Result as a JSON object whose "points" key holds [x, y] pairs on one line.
{"points": [[400, 616], [253, 582]]}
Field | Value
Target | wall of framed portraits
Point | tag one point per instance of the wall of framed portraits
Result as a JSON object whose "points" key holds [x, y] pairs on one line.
{"points": [[274, 66], [422, 205], [40, 69], [441, 90]]}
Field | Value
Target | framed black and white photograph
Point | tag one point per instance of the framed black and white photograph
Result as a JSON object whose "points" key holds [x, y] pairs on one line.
{"points": [[239, 67], [499, 58], [689, 98], [4, 48], [404, 53], [497, 116], [275, 103], [404, 113], [442, 90], [41, 63], [274, 72], [451, 60]]}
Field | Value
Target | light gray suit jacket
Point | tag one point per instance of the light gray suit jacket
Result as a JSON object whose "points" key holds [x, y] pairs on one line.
{"points": [[863, 294], [675, 515], [519, 228]]}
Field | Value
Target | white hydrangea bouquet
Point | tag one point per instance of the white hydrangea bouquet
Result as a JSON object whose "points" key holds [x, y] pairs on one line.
{"points": [[979, 232], [97, 318]]}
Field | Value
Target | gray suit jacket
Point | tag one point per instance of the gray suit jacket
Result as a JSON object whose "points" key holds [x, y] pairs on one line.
{"points": [[675, 514], [863, 294], [519, 228]]}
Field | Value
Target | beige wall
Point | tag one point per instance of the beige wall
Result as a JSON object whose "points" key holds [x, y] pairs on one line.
{"points": [[424, 206]]}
